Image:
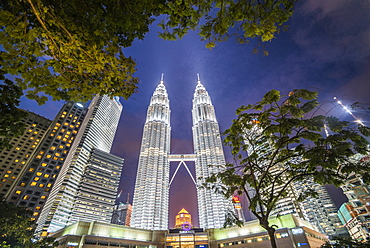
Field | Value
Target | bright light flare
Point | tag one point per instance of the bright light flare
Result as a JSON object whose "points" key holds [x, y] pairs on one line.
{"points": [[357, 120]]}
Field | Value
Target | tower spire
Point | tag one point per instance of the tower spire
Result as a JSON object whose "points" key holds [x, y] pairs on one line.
{"points": [[162, 76], [198, 78]]}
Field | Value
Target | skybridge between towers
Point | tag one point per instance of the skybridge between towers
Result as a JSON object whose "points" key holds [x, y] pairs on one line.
{"points": [[182, 159]]}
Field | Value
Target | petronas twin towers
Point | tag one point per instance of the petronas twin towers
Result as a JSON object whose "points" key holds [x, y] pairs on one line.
{"points": [[151, 196]]}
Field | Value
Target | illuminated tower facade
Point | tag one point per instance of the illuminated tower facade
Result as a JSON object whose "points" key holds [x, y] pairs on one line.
{"points": [[212, 207], [71, 198], [151, 195]]}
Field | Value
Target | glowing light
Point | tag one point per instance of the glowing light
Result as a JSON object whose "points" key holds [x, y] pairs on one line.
{"points": [[79, 105], [349, 111]]}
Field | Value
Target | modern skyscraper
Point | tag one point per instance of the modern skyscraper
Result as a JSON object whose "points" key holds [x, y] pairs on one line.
{"points": [[33, 185], [320, 211], [122, 214], [151, 196], [13, 161], [150, 205], [208, 148], [88, 155]]}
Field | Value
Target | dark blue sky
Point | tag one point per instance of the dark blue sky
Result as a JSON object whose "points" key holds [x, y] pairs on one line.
{"points": [[327, 48]]}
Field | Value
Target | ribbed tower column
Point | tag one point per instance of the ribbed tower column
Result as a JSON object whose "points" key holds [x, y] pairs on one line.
{"points": [[150, 205], [212, 207]]}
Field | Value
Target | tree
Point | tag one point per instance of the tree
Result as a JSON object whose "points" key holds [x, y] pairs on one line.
{"points": [[220, 19], [345, 242], [69, 52], [11, 124], [279, 141], [16, 228]]}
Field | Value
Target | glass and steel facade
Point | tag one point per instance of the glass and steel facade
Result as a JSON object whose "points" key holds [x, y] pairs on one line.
{"points": [[97, 132]]}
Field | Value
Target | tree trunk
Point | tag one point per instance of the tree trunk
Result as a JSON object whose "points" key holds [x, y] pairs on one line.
{"points": [[270, 231]]}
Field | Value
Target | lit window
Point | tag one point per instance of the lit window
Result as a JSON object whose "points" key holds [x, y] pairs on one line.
{"points": [[59, 137], [41, 152], [63, 116], [35, 213], [65, 124], [8, 171], [61, 159], [65, 151], [14, 177], [46, 175], [57, 154], [71, 126], [64, 112], [52, 148], [31, 169], [34, 125], [44, 164], [33, 184], [57, 167], [32, 219], [37, 208], [51, 134], [54, 176], [61, 147], [35, 132], [57, 124], [48, 156], [43, 197], [64, 139], [23, 162], [3, 180], [27, 155], [68, 132], [29, 130], [41, 185], [33, 146], [39, 156], [26, 197], [39, 173], [49, 185], [62, 130], [55, 158], [74, 131], [36, 178], [23, 184], [32, 138], [6, 175], [18, 192], [16, 160], [68, 145], [17, 148]]}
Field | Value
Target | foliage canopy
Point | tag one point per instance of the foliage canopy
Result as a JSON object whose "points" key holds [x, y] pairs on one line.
{"points": [[279, 141], [72, 50], [10, 118]]}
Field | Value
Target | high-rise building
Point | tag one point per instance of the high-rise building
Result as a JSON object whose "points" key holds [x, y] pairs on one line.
{"points": [[13, 161], [212, 207], [36, 179], [355, 214], [89, 154], [151, 195], [321, 210], [122, 214]]}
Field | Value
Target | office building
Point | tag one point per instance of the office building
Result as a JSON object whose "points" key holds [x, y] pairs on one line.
{"points": [[122, 214], [355, 214], [13, 161], [321, 210], [32, 187], [89, 154]]}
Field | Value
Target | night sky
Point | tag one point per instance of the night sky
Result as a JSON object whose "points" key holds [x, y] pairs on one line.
{"points": [[327, 48]]}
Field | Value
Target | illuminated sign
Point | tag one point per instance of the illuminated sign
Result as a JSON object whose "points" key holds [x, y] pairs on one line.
{"points": [[236, 199], [188, 231], [297, 231]]}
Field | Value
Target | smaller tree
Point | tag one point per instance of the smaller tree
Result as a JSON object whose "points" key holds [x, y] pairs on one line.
{"points": [[279, 141], [11, 117], [17, 228]]}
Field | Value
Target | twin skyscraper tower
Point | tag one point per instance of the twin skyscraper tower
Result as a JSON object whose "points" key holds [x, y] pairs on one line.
{"points": [[151, 196]]}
